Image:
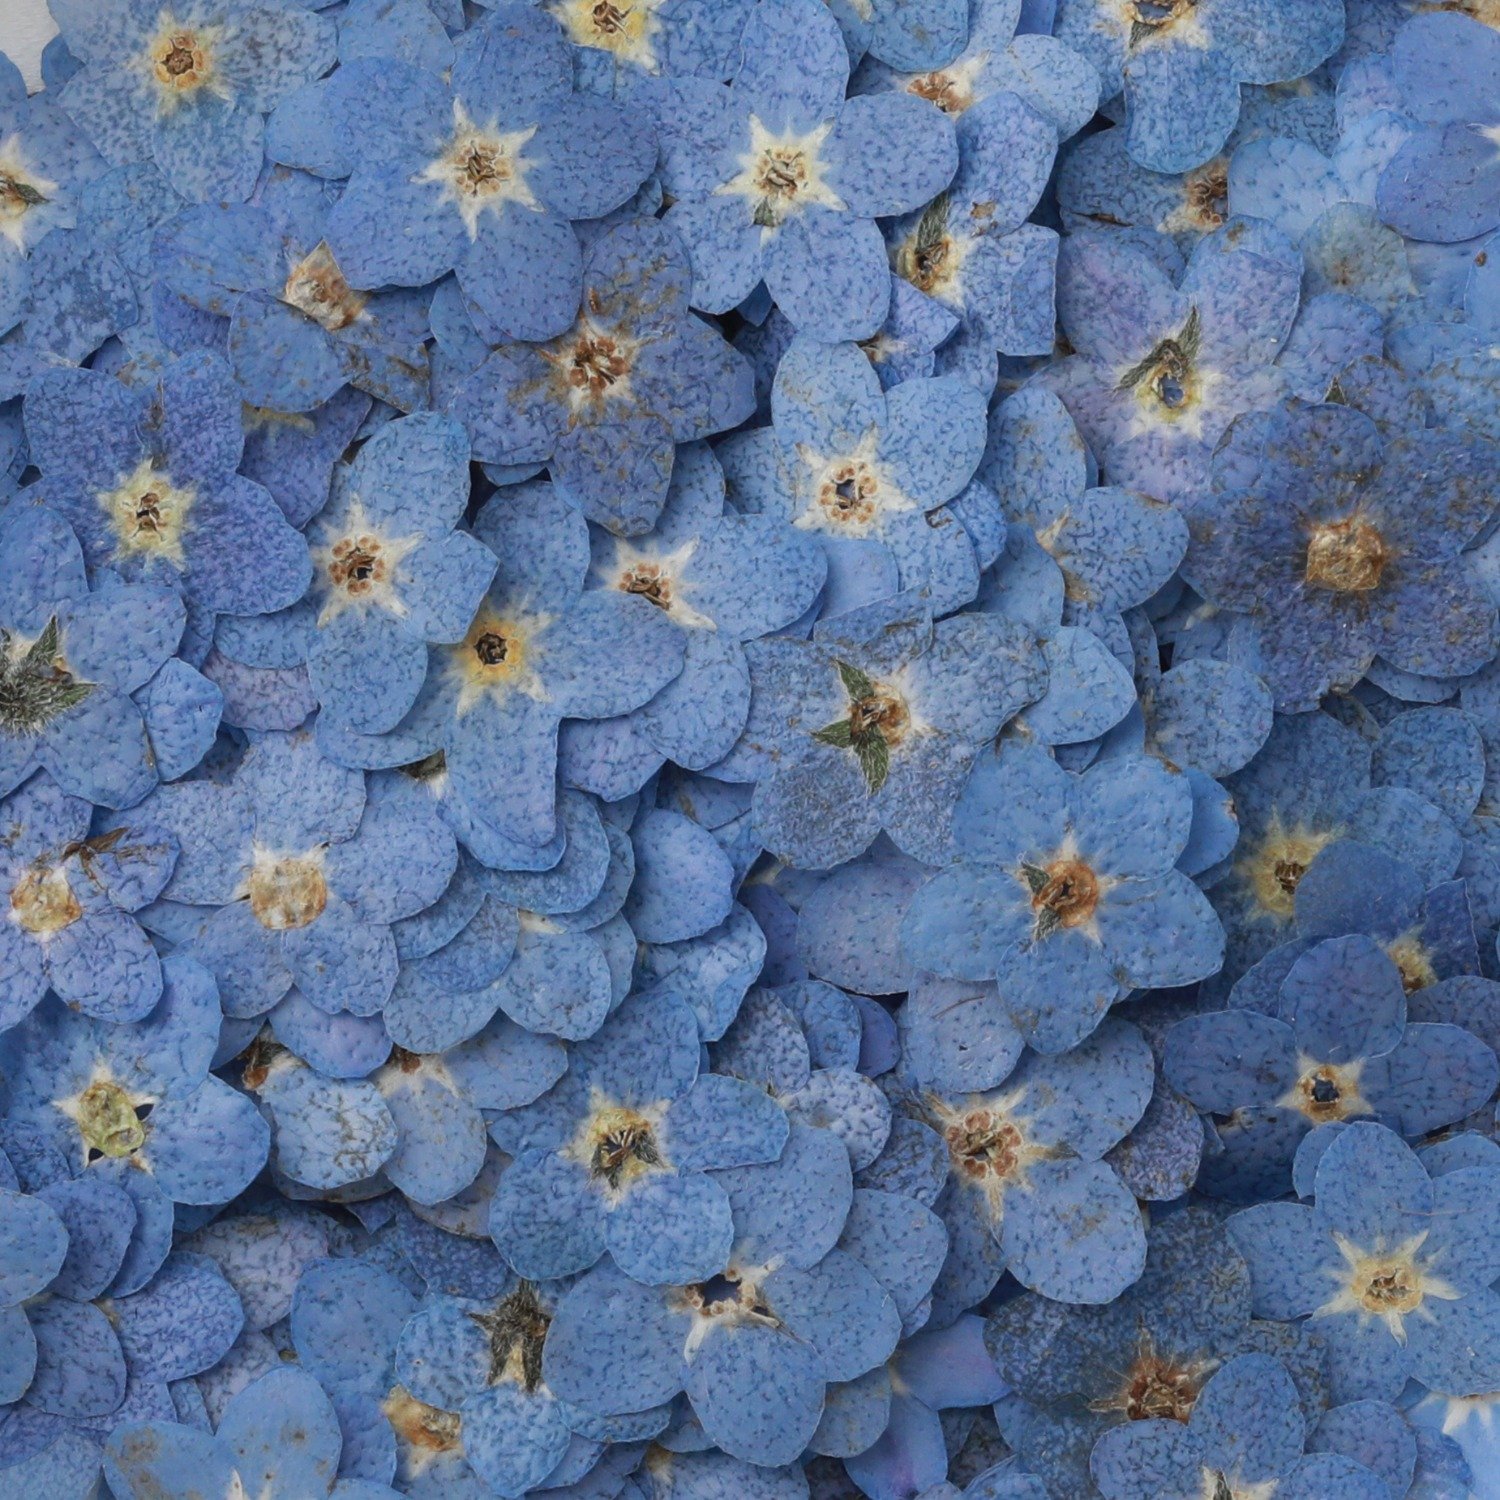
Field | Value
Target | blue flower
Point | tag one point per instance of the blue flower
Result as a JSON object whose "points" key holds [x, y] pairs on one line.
{"points": [[1077, 1372], [539, 650], [1161, 370], [779, 177], [1181, 65], [873, 725], [392, 574], [1337, 1047], [484, 174], [1115, 547], [297, 330], [605, 403], [724, 580], [1246, 1431], [971, 248], [1442, 184], [70, 659], [45, 165], [624, 1157], [881, 480], [1049, 76], [307, 870], [147, 479], [482, 1359], [1392, 1267], [755, 1345], [1357, 558], [138, 1091], [188, 89], [1065, 892], [1308, 788], [70, 900], [1026, 1172]]}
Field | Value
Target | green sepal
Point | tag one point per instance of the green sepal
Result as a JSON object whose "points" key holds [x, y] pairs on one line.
{"points": [[874, 759], [856, 684], [839, 734]]}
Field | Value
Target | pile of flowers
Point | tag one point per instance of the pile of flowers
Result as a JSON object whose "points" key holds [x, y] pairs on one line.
{"points": [[751, 748]]}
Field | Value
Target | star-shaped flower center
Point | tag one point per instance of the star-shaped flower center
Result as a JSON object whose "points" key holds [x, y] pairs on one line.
{"points": [[516, 1329], [36, 683], [1065, 892], [111, 1119], [21, 190], [287, 891], [780, 175], [850, 494], [659, 579], [1327, 1091], [1348, 556], [315, 286], [617, 1145], [496, 658], [358, 566], [42, 901], [1157, 1385], [482, 168], [147, 514], [1274, 867], [590, 366], [179, 62], [878, 720], [626, 28], [1385, 1282], [990, 1142]]}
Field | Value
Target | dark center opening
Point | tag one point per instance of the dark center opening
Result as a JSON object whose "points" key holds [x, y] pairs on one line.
{"points": [[179, 60], [597, 364], [648, 580], [492, 649], [727, 1293], [881, 713], [482, 168], [148, 512], [619, 1149], [983, 1146], [609, 19], [1063, 894], [1288, 873]]}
